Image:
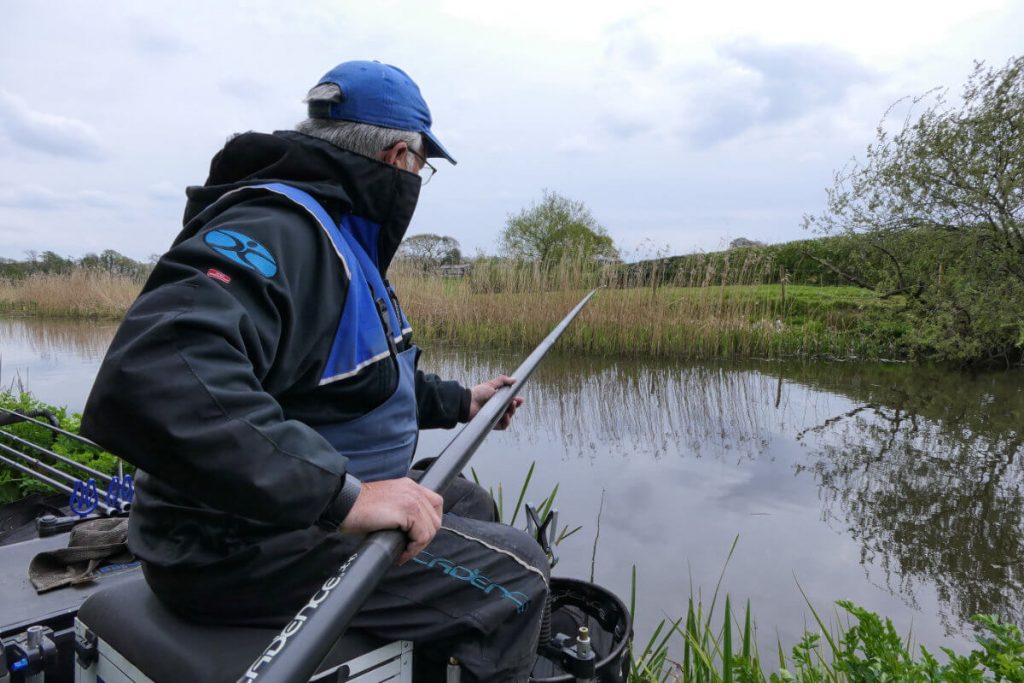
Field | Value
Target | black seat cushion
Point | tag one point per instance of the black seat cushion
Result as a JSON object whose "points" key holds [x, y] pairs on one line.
{"points": [[165, 647]]}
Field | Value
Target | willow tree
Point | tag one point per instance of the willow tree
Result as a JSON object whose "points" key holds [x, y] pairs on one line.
{"points": [[938, 204], [554, 229]]}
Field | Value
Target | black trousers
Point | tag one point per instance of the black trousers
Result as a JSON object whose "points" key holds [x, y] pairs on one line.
{"points": [[476, 593]]}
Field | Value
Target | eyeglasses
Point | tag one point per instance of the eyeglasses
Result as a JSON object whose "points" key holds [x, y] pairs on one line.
{"points": [[427, 169]]}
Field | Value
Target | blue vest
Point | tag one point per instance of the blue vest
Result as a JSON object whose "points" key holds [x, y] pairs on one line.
{"points": [[380, 444]]}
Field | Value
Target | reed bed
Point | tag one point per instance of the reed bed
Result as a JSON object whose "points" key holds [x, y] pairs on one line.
{"points": [[707, 311], [80, 293], [714, 307]]}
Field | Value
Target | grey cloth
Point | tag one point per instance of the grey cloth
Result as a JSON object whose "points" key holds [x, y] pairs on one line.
{"points": [[92, 546], [476, 593]]}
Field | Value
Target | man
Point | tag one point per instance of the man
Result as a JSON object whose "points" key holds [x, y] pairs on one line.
{"points": [[265, 385]]}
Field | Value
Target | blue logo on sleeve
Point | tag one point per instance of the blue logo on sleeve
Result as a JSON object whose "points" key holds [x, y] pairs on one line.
{"points": [[243, 250]]}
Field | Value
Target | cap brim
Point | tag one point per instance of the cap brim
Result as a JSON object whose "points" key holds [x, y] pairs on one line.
{"points": [[436, 149]]}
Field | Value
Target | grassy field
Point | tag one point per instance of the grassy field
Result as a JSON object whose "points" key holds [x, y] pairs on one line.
{"points": [[721, 313]]}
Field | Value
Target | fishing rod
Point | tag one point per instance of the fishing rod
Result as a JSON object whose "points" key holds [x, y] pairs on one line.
{"points": [[80, 487], [67, 461], [84, 496], [53, 428], [69, 478], [294, 654]]}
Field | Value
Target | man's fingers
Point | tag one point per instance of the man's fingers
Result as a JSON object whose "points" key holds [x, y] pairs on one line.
{"points": [[435, 499], [502, 381], [432, 514], [417, 541], [510, 411], [397, 503], [423, 521]]}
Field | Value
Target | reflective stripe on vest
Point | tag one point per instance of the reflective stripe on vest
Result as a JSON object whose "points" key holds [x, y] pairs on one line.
{"points": [[379, 444], [358, 341]]}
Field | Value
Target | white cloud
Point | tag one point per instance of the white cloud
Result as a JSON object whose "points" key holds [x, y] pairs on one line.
{"points": [[603, 102], [50, 133], [150, 38], [166, 191], [578, 143], [245, 89], [47, 199]]}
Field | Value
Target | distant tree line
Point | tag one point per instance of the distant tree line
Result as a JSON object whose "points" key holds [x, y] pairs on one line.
{"points": [[429, 251], [51, 263]]}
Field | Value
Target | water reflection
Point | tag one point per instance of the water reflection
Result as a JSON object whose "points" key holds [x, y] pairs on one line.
{"points": [[55, 359], [915, 472], [920, 466], [925, 472], [643, 409], [57, 339]]}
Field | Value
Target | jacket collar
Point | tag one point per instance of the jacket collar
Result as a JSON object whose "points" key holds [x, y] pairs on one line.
{"points": [[383, 195], [343, 182]]}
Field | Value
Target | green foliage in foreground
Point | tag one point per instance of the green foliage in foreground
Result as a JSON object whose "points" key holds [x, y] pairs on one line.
{"points": [[867, 649], [863, 648], [15, 485]]}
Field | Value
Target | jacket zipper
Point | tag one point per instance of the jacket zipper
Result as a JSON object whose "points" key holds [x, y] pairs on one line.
{"points": [[385, 319], [397, 306]]}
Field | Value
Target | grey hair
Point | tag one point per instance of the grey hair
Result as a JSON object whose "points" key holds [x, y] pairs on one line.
{"points": [[361, 138]]}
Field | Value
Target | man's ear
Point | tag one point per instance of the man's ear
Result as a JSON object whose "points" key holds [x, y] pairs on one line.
{"points": [[395, 154]]}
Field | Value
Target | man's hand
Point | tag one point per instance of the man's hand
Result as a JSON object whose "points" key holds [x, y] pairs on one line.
{"points": [[483, 392], [396, 504]]}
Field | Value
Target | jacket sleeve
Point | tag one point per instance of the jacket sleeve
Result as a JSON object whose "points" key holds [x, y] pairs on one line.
{"points": [[440, 403], [182, 393]]}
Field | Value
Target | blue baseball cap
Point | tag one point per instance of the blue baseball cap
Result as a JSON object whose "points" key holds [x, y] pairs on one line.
{"points": [[381, 95]]}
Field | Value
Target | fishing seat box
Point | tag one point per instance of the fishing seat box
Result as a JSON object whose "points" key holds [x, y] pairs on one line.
{"points": [[126, 635]]}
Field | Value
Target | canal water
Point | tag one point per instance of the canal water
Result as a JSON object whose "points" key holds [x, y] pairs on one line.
{"points": [[897, 487]]}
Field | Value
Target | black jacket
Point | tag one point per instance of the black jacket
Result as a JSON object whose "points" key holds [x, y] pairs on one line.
{"points": [[210, 387]]}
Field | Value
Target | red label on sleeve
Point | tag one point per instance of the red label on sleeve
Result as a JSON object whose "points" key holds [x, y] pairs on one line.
{"points": [[217, 275]]}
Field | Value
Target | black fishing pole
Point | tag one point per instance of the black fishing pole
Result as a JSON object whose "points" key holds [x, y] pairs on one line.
{"points": [[295, 653]]}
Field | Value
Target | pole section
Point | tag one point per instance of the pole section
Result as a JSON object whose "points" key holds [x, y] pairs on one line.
{"points": [[105, 478], [63, 487], [295, 653], [58, 430]]}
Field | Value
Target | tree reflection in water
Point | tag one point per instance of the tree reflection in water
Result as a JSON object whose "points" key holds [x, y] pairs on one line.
{"points": [[53, 339], [921, 466], [926, 474]]}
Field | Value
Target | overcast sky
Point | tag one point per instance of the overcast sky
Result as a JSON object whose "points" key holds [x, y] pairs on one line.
{"points": [[681, 125]]}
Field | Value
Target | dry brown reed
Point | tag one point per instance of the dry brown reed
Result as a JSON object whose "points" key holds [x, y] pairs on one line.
{"points": [[712, 309], [78, 294]]}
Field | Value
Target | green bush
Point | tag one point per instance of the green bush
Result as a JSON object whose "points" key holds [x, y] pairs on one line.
{"points": [[867, 649]]}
